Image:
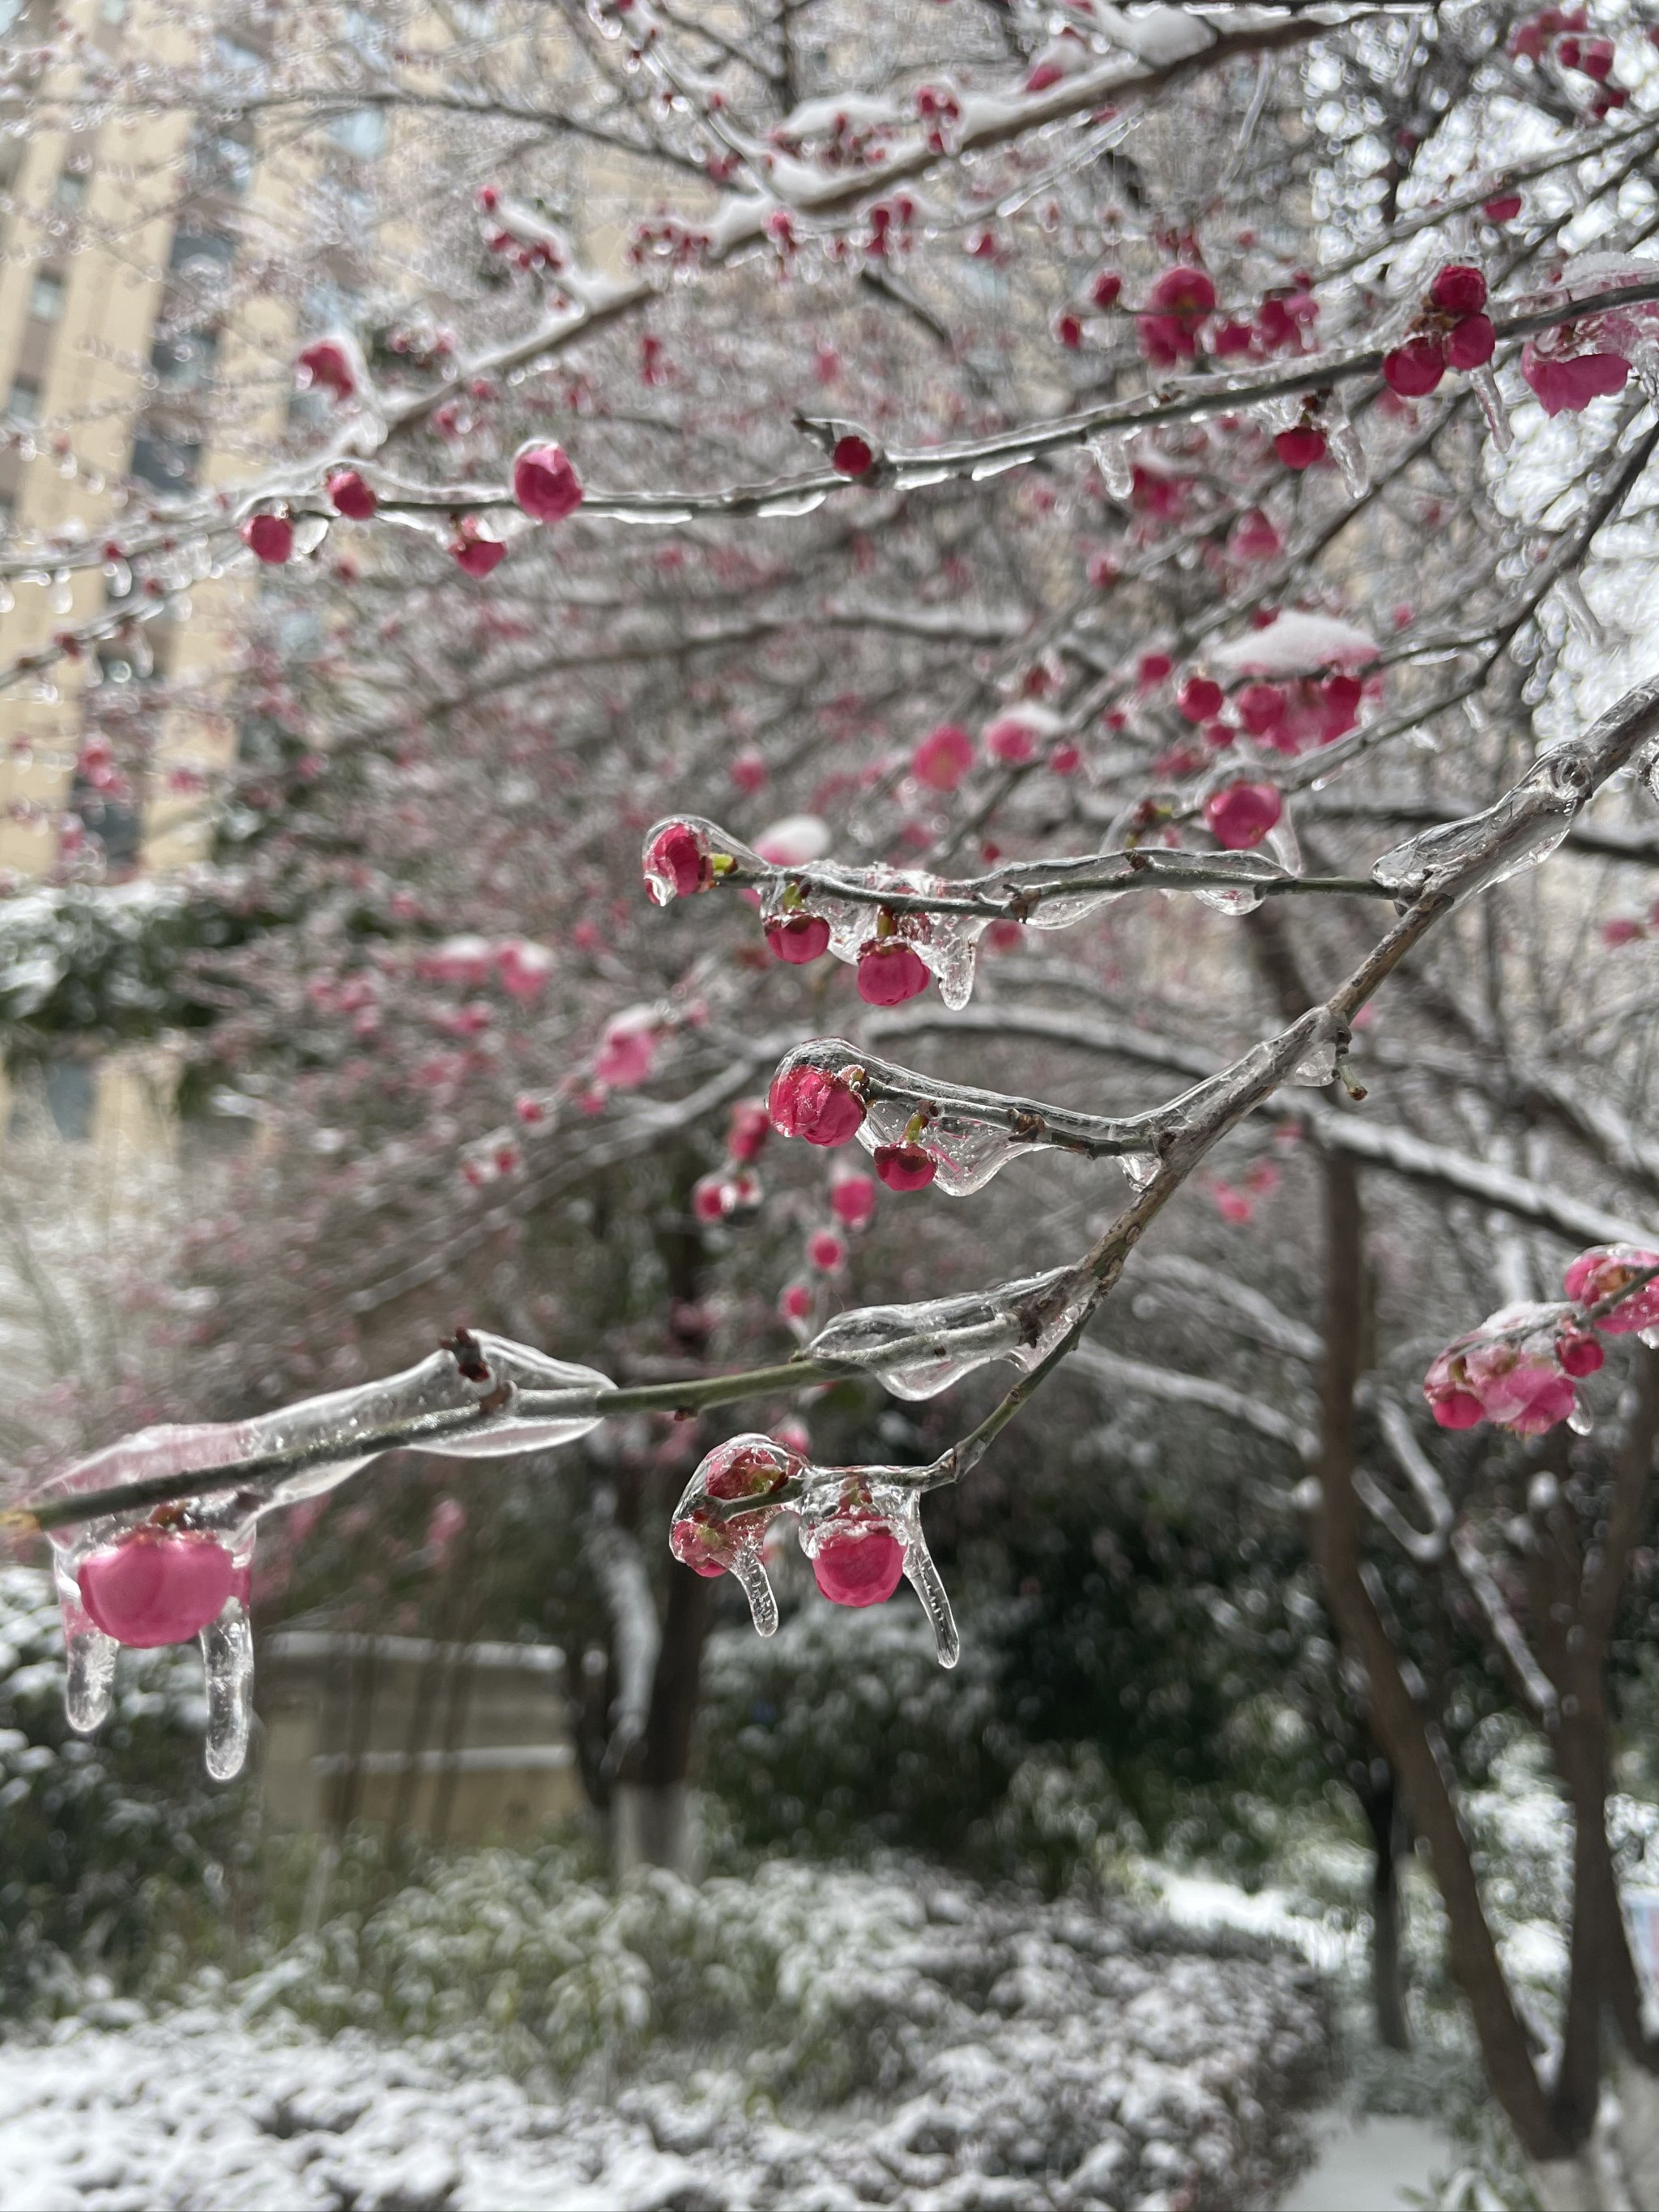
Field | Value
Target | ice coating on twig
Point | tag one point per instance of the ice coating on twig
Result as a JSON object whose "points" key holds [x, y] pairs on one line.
{"points": [[920, 1350], [968, 1134], [146, 1576], [1524, 827]]}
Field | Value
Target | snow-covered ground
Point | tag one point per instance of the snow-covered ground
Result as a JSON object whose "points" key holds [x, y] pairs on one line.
{"points": [[1032, 2055], [1372, 2164]]}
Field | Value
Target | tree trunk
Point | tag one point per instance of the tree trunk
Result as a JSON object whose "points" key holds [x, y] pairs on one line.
{"points": [[652, 1817], [1380, 1800]]}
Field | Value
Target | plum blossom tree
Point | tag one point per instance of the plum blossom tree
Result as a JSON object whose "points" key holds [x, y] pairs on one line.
{"points": [[1041, 533]]}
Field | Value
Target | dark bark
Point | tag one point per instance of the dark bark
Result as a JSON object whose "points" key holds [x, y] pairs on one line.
{"points": [[1401, 1729], [1379, 1801]]}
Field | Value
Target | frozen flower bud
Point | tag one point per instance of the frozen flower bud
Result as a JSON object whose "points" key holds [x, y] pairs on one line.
{"points": [[795, 1303], [472, 550], [1240, 816], [1011, 740], [350, 496], [1503, 207], [747, 1467], [798, 938], [943, 758], [1471, 343], [749, 1130], [852, 456], [155, 1586], [1579, 1355], [1608, 1269], [708, 1198], [1567, 387], [853, 1199], [1200, 699], [1458, 289], [858, 1565], [1153, 669], [627, 1050], [1301, 447], [904, 1167], [1261, 708], [815, 1104], [890, 972], [1106, 289], [325, 364], [825, 1250], [676, 863], [268, 538], [544, 483], [1414, 368]]}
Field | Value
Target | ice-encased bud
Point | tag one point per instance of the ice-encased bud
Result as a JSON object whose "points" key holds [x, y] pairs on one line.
{"points": [[681, 855], [846, 1508], [709, 1542], [1524, 827], [1606, 1269], [920, 1350], [147, 1578]]}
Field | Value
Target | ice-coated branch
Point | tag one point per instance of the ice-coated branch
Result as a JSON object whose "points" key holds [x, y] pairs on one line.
{"points": [[1534, 1687]]}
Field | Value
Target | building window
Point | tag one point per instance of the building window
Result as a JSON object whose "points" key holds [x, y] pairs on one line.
{"points": [[363, 132], [220, 163], [72, 1098], [24, 404], [70, 190], [165, 463], [184, 362], [46, 296]]}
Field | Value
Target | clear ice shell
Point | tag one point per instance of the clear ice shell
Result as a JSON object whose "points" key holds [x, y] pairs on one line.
{"points": [[920, 1350], [1319, 1068], [340, 1428], [946, 944], [762, 1602], [965, 1153], [1522, 828], [886, 1497]]}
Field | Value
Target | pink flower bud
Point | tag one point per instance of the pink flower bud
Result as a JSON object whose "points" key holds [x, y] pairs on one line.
{"points": [[904, 1167], [1414, 368], [1011, 740], [1621, 929], [825, 1250], [325, 364], [708, 1198], [1240, 816], [795, 1302], [858, 1566], [268, 538], [853, 1199], [890, 972], [1185, 293], [154, 1586], [351, 496], [626, 1053], [1458, 289], [1153, 669], [1262, 708], [1596, 1274], [1503, 207], [1106, 289], [1596, 59], [798, 938], [1255, 539], [474, 552], [852, 456], [1471, 343], [806, 1102], [545, 484], [1300, 448], [1200, 699], [1567, 387], [943, 758], [676, 863], [1457, 1409], [749, 1127], [1579, 1355]]}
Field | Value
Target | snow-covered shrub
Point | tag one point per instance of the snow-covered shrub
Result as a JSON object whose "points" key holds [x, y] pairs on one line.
{"points": [[840, 1734], [111, 1853], [952, 2031]]}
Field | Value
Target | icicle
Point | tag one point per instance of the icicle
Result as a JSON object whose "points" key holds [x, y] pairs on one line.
{"points": [[1110, 449], [1581, 1420], [1139, 1167], [1346, 450], [925, 1579], [1586, 623], [1492, 406], [920, 1350], [227, 1656], [763, 1604]]}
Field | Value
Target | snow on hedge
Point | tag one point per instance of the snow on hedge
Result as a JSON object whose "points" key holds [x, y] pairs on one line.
{"points": [[806, 2039]]}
